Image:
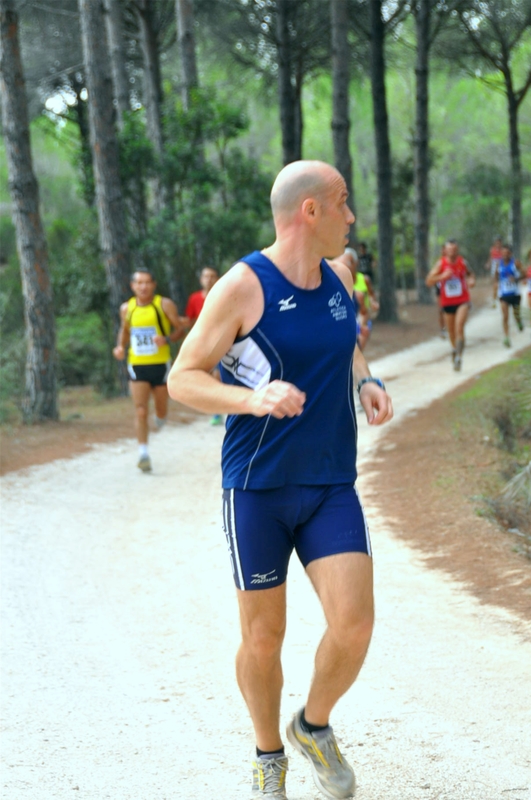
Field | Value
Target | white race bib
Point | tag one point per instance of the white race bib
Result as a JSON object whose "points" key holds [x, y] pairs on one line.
{"points": [[142, 341], [453, 287], [508, 286]]}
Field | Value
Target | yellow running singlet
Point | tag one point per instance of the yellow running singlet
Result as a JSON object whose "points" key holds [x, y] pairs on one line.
{"points": [[145, 322]]}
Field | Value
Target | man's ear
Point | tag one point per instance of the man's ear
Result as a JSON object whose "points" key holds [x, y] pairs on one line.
{"points": [[309, 208]]}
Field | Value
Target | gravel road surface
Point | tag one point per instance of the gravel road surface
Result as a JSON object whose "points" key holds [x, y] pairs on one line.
{"points": [[119, 633]]}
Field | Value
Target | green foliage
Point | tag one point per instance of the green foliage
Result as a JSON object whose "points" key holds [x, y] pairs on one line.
{"points": [[83, 351], [12, 365], [497, 410], [500, 401], [220, 195], [8, 240], [137, 158], [78, 277]]}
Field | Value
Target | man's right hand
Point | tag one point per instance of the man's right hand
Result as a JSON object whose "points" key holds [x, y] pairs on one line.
{"points": [[119, 352], [278, 398]]}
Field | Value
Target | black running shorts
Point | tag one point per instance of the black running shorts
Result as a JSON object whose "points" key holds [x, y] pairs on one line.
{"points": [[154, 374]]}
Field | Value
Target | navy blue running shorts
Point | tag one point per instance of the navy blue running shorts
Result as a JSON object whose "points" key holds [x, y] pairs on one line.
{"points": [[264, 526]]}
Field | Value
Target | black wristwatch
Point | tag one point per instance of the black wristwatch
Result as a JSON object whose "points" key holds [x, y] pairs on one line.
{"points": [[370, 379]]}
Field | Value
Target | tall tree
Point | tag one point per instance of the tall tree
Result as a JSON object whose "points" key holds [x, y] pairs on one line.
{"points": [[495, 28], [284, 41], [290, 115], [388, 305], [185, 32], [115, 37], [152, 79], [422, 11], [109, 198], [340, 97], [40, 401]]}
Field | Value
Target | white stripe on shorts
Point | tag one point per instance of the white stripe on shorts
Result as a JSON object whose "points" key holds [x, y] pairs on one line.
{"points": [[235, 552], [367, 535]]}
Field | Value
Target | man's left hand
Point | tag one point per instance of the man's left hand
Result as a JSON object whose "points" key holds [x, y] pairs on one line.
{"points": [[376, 403]]}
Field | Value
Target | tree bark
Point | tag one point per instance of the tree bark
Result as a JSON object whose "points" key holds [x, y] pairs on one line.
{"points": [[113, 22], [152, 79], [421, 152], [109, 199], [291, 150], [40, 401], [388, 307], [516, 167], [153, 98], [185, 28], [340, 99]]}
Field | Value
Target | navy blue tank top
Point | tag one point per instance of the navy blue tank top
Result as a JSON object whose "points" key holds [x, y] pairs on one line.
{"points": [[508, 275], [305, 337]]}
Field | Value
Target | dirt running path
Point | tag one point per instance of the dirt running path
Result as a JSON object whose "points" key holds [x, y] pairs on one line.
{"points": [[119, 629]]}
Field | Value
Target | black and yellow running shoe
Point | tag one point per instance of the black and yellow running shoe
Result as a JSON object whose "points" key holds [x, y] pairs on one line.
{"points": [[332, 774], [269, 778]]}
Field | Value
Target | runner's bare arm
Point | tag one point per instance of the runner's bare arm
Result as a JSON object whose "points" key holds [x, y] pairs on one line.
{"points": [[436, 274], [376, 403], [123, 335], [232, 308], [470, 276], [170, 309]]}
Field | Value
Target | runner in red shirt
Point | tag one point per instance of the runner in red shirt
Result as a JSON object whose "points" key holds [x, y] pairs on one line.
{"points": [[455, 278], [196, 301], [208, 277]]}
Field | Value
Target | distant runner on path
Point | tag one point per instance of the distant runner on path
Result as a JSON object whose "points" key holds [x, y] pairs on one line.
{"points": [[208, 277], [508, 274], [149, 323], [455, 278], [495, 255], [282, 323], [528, 281]]}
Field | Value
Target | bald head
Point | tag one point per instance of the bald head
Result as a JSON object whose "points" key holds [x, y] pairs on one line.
{"points": [[298, 182]]}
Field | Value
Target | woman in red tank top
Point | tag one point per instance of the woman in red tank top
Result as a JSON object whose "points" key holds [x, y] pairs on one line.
{"points": [[455, 278]]}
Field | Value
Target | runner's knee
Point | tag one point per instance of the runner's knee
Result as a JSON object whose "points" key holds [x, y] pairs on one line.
{"points": [[264, 639], [141, 412], [353, 631]]}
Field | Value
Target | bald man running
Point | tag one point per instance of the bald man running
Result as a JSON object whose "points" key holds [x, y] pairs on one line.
{"points": [[282, 324]]}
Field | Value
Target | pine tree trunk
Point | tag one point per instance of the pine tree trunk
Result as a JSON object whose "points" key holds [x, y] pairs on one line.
{"points": [[80, 111], [153, 104], [135, 200], [109, 199], [40, 401], [388, 307], [516, 168], [340, 99], [113, 21], [288, 115], [422, 199], [185, 28]]}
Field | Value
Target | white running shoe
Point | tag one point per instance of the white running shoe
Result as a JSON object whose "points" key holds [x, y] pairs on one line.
{"points": [[144, 464], [269, 778], [332, 774]]}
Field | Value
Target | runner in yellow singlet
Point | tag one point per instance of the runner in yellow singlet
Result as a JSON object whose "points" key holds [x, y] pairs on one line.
{"points": [[149, 323]]}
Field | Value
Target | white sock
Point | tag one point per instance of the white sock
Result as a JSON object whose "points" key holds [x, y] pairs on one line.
{"points": [[143, 451]]}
